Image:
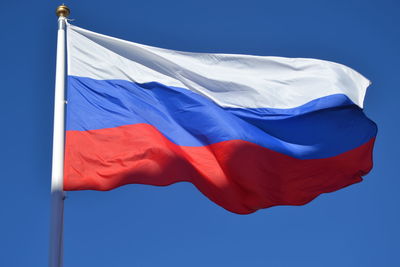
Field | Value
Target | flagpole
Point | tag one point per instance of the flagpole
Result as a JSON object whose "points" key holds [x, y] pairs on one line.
{"points": [[57, 193]]}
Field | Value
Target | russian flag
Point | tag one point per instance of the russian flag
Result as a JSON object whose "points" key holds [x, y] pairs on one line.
{"points": [[249, 132]]}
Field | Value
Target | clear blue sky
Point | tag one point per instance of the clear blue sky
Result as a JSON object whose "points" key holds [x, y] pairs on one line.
{"points": [[145, 226]]}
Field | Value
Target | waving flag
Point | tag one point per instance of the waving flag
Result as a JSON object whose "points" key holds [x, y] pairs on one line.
{"points": [[249, 132]]}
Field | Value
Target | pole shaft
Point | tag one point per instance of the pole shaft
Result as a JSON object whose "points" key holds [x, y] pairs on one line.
{"points": [[57, 193]]}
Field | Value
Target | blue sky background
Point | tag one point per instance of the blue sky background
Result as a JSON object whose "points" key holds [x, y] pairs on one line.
{"points": [[145, 226]]}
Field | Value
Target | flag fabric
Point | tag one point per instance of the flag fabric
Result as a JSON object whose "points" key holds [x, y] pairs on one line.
{"points": [[249, 132]]}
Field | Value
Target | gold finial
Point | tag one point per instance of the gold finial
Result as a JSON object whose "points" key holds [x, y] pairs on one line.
{"points": [[62, 11]]}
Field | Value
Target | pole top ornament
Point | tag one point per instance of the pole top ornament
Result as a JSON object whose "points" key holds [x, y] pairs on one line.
{"points": [[63, 11]]}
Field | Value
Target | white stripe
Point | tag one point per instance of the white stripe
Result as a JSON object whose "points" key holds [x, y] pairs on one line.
{"points": [[229, 80]]}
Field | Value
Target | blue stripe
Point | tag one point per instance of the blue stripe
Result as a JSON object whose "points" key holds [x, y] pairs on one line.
{"points": [[322, 128]]}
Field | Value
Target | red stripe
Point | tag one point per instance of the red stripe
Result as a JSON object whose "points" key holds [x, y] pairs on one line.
{"points": [[237, 175]]}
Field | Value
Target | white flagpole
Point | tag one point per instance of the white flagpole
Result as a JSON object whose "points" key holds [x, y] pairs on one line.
{"points": [[57, 193]]}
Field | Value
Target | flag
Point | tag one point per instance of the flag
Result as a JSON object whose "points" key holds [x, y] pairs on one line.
{"points": [[249, 132]]}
